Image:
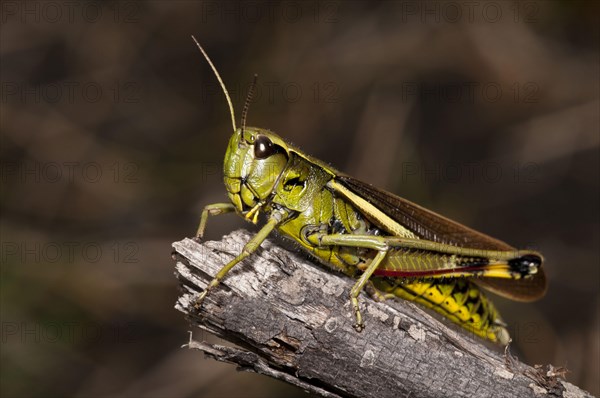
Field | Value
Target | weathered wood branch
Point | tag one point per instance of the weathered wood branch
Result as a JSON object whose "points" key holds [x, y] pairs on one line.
{"points": [[292, 320]]}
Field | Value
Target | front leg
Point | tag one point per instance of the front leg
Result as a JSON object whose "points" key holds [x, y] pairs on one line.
{"points": [[212, 210], [249, 248]]}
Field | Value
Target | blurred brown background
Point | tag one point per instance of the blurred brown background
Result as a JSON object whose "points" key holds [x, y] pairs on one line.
{"points": [[114, 130]]}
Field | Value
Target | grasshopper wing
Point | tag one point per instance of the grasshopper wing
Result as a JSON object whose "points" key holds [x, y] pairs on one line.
{"points": [[436, 228]]}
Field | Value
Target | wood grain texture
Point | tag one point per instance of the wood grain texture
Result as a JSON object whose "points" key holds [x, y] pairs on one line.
{"points": [[291, 320]]}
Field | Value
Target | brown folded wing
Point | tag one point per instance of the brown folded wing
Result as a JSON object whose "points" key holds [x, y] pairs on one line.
{"points": [[436, 228]]}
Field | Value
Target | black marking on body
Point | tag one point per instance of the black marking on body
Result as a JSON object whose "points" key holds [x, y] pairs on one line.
{"points": [[336, 226], [288, 185], [524, 265], [473, 262]]}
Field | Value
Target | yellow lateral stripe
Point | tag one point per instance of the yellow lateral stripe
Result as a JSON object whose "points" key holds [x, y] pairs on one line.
{"points": [[392, 226]]}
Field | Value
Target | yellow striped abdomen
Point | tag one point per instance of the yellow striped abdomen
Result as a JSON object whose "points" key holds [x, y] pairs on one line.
{"points": [[459, 300]]}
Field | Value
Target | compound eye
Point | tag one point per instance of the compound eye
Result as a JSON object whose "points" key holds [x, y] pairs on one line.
{"points": [[263, 147]]}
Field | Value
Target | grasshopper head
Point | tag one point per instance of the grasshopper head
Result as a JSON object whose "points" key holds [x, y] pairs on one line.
{"points": [[254, 161]]}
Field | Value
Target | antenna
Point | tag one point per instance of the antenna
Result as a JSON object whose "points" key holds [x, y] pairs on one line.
{"points": [[220, 82], [248, 99]]}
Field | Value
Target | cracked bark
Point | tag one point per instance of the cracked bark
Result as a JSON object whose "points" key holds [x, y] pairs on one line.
{"points": [[291, 320]]}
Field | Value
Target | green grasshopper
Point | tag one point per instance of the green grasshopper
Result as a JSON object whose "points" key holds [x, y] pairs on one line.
{"points": [[394, 247]]}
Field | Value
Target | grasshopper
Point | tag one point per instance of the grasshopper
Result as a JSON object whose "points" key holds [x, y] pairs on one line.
{"points": [[392, 246]]}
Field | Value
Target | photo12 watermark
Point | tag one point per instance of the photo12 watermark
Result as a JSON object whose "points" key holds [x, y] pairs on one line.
{"points": [[27, 172], [71, 92], [70, 12], [272, 92], [471, 92], [487, 172], [441, 11], [259, 12], [68, 252], [65, 332]]}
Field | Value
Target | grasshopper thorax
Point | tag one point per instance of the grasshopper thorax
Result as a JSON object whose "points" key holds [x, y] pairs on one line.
{"points": [[254, 162]]}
